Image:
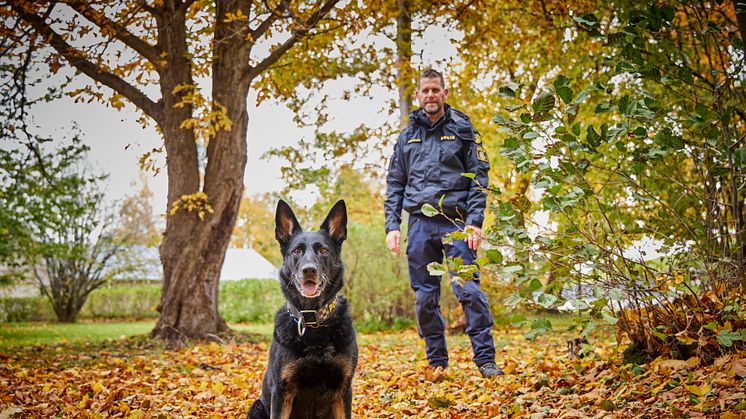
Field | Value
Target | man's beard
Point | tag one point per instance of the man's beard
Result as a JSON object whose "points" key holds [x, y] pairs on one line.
{"points": [[433, 108]]}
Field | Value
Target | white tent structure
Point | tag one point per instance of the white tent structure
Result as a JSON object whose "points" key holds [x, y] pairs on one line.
{"points": [[246, 263], [238, 264]]}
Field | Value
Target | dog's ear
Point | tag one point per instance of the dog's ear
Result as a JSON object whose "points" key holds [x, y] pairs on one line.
{"points": [[336, 222], [286, 225]]}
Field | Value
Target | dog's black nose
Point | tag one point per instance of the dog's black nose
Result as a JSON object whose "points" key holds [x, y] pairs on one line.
{"points": [[309, 270]]}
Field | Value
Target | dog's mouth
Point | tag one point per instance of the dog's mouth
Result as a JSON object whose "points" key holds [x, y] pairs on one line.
{"points": [[309, 287]]}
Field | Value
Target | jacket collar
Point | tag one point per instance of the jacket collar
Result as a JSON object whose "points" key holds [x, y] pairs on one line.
{"points": [[419, 117]]}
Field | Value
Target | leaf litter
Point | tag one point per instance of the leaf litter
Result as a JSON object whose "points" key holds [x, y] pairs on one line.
{"points": [[137, 378]]}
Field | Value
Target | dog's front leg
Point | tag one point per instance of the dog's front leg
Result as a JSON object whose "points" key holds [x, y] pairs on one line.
{"points": [[342, 406], [282, 402], [338, 409]]}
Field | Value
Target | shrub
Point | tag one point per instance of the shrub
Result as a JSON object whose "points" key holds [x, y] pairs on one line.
{"points": [[376, 284], [25, 309], [123, 301], [250, 300], [637, 176]]}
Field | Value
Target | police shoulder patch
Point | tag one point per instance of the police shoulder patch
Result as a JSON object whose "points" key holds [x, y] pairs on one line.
{"points": [[482, 154]]}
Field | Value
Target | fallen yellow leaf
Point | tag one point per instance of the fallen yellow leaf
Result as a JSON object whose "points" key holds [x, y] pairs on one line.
{"points": [[97, 387], [700, 390], [218, 388], [84, 403]]}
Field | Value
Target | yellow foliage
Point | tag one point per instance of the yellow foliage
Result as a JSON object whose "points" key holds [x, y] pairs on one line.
{"points": [[232, 17], [208, 120], [700, 390], [116, 101], [197, 202]]}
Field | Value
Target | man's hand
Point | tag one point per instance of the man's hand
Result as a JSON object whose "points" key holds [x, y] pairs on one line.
{"points": [[474, 238], [392, 241]]}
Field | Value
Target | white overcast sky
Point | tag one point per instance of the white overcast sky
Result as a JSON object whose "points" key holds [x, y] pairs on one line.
{"points": [[108, 131]]}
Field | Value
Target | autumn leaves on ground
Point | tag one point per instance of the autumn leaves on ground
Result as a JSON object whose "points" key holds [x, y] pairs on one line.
{"points": [[134, 377]]}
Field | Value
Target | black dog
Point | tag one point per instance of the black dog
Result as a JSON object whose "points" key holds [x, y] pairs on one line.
{"points": [[313, 355]]}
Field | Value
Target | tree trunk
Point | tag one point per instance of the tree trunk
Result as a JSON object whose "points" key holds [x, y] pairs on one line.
{"points": [[192, 250], [404, 54]]}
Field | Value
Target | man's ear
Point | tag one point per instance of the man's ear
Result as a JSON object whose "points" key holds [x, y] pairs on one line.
{"points": [[336, 222], [286, 225]]}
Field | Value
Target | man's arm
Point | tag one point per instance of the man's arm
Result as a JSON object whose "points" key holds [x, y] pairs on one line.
{"points": [[396, 181]]}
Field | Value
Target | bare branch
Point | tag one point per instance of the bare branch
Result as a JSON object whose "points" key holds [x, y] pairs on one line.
{"points": [[77, 59], [266, 23], [148, 51], [296, 35]]}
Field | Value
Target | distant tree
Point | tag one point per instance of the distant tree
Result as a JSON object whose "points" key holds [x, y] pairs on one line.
{"points": [[59, 231], [255, 227], [138, 230], [137, 222]]}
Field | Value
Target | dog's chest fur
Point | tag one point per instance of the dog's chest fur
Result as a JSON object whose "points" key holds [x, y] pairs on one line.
{"points": [[318, 364], [318, 374]]}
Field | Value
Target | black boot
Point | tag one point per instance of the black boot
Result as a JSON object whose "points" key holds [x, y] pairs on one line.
{"points": [[490, 370]]}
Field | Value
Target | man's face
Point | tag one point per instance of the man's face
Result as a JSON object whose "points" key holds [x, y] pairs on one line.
{"points": [[431, 95]]}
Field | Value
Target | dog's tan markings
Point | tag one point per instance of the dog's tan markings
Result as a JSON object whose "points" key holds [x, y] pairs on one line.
{"points": [[338, 409], [289, 371], [345, 364], [287, 374], [287, 404], [289, 392]]}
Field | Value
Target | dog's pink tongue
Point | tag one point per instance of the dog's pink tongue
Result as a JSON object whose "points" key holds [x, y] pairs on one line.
{"points": [[309, 288]]}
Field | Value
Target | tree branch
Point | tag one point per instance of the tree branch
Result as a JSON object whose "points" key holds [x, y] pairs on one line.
{"points": [[296, 35], [98, 18], [264, 26], [77, 59]]}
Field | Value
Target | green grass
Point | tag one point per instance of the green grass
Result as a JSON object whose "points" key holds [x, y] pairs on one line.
{"points": [[262, 329], [29, 334]]}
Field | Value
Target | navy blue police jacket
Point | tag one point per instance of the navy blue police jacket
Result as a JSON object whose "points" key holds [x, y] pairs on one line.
{"points": [[427, 165]]}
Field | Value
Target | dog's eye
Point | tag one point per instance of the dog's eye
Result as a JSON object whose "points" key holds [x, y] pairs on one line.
{"points": [[323, 250], [297, 251]]}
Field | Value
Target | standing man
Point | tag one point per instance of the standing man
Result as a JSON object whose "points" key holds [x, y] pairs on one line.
{"points": [[429, 157]]}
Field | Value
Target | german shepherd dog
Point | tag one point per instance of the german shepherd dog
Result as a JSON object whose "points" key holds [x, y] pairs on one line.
{"points": [[313, 354]]}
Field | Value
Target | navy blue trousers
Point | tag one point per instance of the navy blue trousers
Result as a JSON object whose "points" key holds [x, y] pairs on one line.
{"points": [[424, 246]]}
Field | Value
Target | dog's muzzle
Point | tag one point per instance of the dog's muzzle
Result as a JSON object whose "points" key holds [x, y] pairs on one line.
{"points": [[309, 283]]}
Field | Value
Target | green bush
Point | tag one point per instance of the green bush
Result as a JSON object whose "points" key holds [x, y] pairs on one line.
{"points": [[26, 309], [117, 301], [376, 283], [250, 300]]}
